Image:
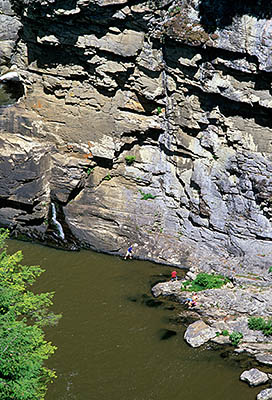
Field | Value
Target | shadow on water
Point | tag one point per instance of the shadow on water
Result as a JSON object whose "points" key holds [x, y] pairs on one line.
{"points": [[166, 334]]}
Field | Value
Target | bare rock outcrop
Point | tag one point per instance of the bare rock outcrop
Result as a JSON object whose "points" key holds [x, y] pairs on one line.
{"points": [[254, 377], [184, 92]]}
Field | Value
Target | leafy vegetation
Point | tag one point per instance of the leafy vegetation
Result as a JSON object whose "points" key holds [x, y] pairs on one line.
{"points": [[204, 281], [270, 270], [23, 348], [159, 110], [146, 196], [89, 171], [174, 10], [259, 324], [130, 159], [235, 338], [107, 177]]}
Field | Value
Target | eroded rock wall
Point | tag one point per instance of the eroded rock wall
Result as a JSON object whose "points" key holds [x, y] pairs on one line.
{"points": [[186, 94]]}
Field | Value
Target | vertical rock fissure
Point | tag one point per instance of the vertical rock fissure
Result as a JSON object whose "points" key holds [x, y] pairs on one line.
{"points": [[165, 137]]}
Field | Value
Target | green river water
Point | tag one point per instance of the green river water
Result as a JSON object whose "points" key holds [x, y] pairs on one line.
{"points": [[111, 339]]}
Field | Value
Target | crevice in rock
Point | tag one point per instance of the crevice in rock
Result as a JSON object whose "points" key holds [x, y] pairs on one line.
{"points": [[231, 108], [152, 135], [193, 132], [103, 162], [215, 15], [148, 106], [209, 54], [10, 92], [17, 205], [182, 153], [31, 222], [75, 192]]}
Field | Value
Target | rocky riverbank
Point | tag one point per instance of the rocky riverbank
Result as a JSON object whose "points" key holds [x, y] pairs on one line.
{"points": [[221, 317]]}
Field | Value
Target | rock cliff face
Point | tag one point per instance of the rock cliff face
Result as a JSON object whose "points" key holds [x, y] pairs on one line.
{"points": [[145, 122]]}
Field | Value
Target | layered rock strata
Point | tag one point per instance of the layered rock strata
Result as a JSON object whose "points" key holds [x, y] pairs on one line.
{"points": [[179, 88]]}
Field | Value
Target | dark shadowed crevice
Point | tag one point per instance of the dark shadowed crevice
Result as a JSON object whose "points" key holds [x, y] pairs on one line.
{"points": [[17, 205], [219, 14], [10, 92]]}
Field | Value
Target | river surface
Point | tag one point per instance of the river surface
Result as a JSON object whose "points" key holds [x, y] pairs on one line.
{"points": [[117, 343]]}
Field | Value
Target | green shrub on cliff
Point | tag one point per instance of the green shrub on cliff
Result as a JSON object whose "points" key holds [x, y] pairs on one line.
{"points": [[205, 281], [107, 177], [23, 348], [130, 159], [146, 196], [259, 324], [235, 338], [256, 323]]}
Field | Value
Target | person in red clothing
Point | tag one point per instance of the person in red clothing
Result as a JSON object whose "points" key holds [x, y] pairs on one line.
{"points": [[174, 276]]}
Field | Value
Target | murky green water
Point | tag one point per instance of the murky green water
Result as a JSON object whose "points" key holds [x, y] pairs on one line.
{"points": [[111, 343]]}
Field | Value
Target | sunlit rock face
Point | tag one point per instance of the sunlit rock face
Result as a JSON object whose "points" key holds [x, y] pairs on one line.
{"points": [[183, 90]]}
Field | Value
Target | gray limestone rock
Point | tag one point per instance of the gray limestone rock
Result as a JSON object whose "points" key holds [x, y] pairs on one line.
{"points": [[199, 127], [199, 333], [265, 394], [166, 289], [254, 377], [264, 358]]}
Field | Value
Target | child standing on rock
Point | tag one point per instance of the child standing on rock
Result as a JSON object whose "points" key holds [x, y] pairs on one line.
{"points": [[174, 276]]}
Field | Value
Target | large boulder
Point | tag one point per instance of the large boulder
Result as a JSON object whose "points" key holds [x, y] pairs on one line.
{"points": [[254, 377], [199, 333]]}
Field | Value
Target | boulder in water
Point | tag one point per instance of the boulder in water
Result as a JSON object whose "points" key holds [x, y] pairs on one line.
{"points": [[265, 394], [254, 377], [199, 333]]}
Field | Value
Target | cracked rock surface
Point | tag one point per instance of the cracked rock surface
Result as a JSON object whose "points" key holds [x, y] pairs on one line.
{"points": [[185, 91]]}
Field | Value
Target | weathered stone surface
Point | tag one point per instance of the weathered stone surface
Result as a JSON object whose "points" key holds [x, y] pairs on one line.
{"points": [[265, 394], [199, 333], [265, 358], [254, 377], [9, 27], [166, 289], [198, 123]]}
